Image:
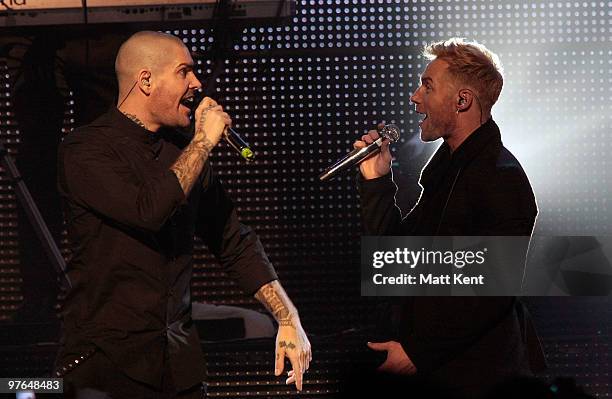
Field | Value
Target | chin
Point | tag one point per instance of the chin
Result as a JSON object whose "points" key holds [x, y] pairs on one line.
{"points": [[183, 121], [427, 137]]}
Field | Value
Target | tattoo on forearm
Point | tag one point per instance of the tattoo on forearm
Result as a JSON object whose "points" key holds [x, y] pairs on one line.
{"points": [[189, 164], [135, 119], [271, 296]]}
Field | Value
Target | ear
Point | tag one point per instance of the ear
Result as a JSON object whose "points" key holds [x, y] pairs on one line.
{"points": [[464, 100], [144, 81]]}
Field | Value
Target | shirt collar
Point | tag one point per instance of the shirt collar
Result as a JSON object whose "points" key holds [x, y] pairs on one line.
{"points": [[475, 142], [131, 129], [472, 145]]}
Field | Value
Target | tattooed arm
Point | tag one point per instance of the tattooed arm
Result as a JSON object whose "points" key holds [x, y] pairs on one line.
{"points": [[210, 123], [291, 340], [189, 164]]}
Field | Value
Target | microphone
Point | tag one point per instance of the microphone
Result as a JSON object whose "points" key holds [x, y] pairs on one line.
{"points": [[229, 134], [358, 155], [238, 144]]}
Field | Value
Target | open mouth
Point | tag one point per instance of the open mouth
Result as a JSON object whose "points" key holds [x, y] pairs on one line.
{"points": [[188, 101], [422, 120]]}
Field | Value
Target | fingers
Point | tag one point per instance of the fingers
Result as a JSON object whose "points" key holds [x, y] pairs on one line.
{"points": [[226, 119], [381, 347], [378, 346], [306, 357], [370, 137], [207, 102], [299, 356], [297, 372], [279, 363], [207, 105], [359, 144], [298, 378], [367, 139], [385, 146], [202, 109]]}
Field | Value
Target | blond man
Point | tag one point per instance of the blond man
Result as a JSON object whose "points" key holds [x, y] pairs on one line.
{"points": [[472, 185]]}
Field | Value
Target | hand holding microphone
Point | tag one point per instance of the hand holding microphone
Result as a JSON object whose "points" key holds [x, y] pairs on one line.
{"points": [[212, 121], [371, 153], [377, 165]]}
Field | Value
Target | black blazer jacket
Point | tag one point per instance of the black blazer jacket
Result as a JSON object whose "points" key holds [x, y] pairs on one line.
{"points": [[480, 189]]}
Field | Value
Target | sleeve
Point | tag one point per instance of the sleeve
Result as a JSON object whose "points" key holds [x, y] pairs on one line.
{"points": [[380, 215], [235, 245], [93, 177], [509, 204], [450, 326]]}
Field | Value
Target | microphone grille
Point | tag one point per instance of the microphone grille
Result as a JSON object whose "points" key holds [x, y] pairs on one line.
{"points": [[390, 132]]}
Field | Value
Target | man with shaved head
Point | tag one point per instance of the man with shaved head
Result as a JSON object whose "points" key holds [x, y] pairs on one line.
{"points": [[135, 191]]}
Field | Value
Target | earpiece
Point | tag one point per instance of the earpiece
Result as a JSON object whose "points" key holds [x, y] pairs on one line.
{"points": [[146, 82], [460, 104]]}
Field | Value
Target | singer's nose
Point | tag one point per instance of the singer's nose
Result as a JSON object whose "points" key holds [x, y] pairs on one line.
{"points": [[415, 98], [195, 83]]}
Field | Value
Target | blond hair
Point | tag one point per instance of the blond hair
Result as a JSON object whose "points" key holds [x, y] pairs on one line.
{"points": [[472, 64]]}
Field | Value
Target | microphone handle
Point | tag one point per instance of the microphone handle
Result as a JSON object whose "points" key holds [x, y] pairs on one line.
{"points": [[233, 139], [352, 158]]}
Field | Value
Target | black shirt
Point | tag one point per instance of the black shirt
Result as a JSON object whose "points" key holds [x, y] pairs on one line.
{"points": [[131, 231]]}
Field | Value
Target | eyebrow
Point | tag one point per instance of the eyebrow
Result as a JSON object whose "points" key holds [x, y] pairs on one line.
{"points": [[426, 79], [184, 64]]}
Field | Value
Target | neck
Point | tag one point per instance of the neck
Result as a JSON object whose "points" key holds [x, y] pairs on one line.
{"points": [[137, 117], [465, 127]]}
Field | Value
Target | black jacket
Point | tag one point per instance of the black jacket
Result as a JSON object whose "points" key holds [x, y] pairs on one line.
{"points": [[131, 232], [478, 190]]}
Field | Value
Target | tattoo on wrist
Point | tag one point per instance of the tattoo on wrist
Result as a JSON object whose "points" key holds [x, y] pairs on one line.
{"points": [[272, 300], [203, 144], [286, 323]]}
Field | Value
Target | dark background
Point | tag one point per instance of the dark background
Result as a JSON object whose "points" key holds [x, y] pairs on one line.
{"points": [[301, 93]]}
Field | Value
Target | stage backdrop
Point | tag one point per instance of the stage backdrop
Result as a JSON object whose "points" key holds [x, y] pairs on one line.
{"points": [[301, 93]]}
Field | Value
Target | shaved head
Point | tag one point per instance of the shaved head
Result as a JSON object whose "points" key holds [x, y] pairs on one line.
{"points": [[146, 50], [157, 80]]}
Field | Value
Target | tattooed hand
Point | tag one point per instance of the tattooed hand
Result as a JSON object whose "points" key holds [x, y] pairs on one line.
{"points": [[291, 340], [210, 121]]}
